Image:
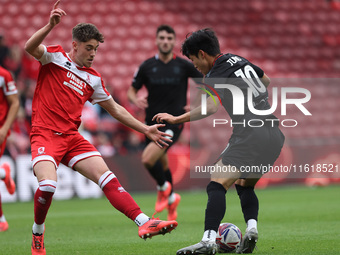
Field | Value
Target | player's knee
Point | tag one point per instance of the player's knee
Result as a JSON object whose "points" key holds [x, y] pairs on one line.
{"points": [[48, 186], [240, 188], [225, 182], [215, 186], [147, 162]]}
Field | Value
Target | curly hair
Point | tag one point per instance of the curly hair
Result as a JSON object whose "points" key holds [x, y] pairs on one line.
{"points": [[84, 32]]}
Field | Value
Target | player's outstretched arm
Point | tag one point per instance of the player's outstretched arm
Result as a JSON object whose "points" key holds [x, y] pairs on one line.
{"points": [[140, 102], [13, 101], [195, 114], [123, 116], [33, 45]]}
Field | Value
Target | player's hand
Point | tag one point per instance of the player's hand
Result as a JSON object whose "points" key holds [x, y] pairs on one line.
{"points": [[56, 14], [159, 137], [142, 103], [164, 117], [187, 108]]}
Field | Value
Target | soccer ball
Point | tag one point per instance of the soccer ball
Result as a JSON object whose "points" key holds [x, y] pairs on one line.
{"points": [[228, 238]]}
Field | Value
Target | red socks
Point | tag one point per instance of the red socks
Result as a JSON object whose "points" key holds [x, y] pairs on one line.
{"points": [[108, 182], [117, 195], [42, 200]]}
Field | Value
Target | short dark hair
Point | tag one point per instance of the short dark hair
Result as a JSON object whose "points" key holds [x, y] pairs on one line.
{"points": [[166, 28], [204, 39], [84, 32]]}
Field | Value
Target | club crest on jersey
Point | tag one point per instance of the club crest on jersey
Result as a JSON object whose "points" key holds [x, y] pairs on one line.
{"points": [[41, 150], [177, 70]]}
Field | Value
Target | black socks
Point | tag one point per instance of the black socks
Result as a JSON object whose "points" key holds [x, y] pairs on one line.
{"points": [[168, 177], [216, 206], [249, 202], [157, 173]]}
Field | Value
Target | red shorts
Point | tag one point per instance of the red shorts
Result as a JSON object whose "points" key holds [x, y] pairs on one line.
{"points": [[59, 148]]}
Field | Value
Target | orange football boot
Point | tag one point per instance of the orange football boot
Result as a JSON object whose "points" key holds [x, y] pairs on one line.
{"points": [[155, 227], [10, 185], [162, 199], [38, 247], [172, 208], [3, 226]]}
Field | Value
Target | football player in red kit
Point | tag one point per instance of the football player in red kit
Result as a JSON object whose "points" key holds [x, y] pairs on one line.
{"points": [[9, 105], [66, 81]]}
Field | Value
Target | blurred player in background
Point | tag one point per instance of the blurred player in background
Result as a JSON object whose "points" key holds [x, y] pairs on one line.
{"points": [[248, 146], [165, 77], [66, 81], [9, 105]]}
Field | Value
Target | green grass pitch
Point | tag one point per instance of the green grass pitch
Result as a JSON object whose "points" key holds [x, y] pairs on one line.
{"points": [[292, 220]]}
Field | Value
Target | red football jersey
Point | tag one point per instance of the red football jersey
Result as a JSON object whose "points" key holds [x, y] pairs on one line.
{"points": [[7, 87], [62, 90]]}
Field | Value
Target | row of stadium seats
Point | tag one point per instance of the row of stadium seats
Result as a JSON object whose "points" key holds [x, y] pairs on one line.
{"points": [[286, 38]]}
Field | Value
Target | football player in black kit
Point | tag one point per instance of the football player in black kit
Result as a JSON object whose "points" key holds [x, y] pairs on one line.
{"points": [[165, 77], [248, 145]]}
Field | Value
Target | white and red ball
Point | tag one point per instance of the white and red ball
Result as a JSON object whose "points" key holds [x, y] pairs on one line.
{"points": [[228, 238]]}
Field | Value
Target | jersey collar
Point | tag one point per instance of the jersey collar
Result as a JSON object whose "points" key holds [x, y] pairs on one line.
{"points": [[69, 58], [173, 56], [220, 55]]}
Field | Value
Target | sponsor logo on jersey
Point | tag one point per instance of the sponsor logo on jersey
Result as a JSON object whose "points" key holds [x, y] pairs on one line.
{"points": [[75, 83], [67, 65], [11, 86]]}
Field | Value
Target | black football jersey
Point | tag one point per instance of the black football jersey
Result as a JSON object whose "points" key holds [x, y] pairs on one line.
{"points": [[230, 69], [166, 85]]}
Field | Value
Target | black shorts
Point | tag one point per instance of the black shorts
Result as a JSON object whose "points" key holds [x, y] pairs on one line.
{"points": [[258, 146], [174, 130]]}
